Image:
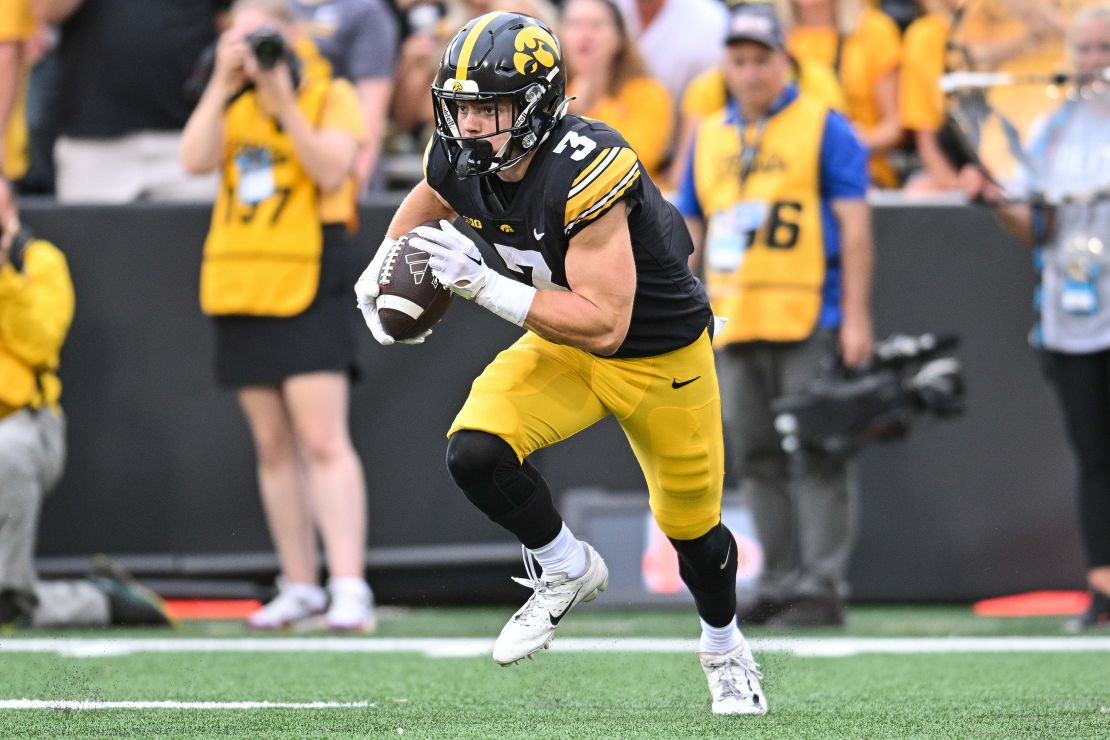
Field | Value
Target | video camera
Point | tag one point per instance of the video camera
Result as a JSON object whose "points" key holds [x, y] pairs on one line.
{"points": [[842, 410]]}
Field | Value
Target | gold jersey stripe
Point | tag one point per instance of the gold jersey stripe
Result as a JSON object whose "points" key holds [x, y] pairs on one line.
{"points": [[616, 168], [611, 197], [597, 160], [472, 37]]}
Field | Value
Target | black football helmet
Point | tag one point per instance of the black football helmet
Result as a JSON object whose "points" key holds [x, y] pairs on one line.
{"points": [[499, 57]]}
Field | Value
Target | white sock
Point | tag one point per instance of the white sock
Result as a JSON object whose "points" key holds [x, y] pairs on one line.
{"points": [[349, 584], [719, 639], [564, 554], [310, 593]]}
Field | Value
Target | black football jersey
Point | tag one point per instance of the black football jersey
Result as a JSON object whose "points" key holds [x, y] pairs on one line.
{"points": [[583, 169]]}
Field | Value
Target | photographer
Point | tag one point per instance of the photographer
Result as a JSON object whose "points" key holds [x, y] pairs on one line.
{"points": [[36, 308], [1069, 157], [277, 270]]}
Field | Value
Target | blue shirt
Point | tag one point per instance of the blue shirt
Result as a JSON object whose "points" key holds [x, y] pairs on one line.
{"points": [[843, 176]]}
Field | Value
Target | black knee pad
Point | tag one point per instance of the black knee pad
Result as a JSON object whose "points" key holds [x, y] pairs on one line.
{"points": [[510, 493], [707, 566], [473, 458]]}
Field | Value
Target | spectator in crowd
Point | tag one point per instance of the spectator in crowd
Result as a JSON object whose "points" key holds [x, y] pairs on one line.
{"points": [[123, 66], [775, 197], [36, 308], [17, 30], [708, 93], [921, 103], [862, 45], [359, 38], [1069, 155], [679, 39], [928, 48], [609, 82], [421, 51], [278, 264], [41, 109]]}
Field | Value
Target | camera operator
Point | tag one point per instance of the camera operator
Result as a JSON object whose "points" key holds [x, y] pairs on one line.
{"points": [[774, 194], [277, 270], [1070, 153], [36, 308]]}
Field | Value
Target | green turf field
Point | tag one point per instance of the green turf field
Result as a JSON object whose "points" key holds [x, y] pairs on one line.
{"points": [[1058, 692]]}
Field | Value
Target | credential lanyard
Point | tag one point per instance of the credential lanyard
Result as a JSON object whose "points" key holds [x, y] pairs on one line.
{"points": [[749, 150]]}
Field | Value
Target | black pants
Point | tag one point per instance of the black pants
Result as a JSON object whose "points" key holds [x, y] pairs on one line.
{"points": [[1083, 385]]}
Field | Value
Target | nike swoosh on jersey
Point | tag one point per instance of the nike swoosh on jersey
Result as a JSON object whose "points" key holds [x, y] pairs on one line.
{"points": [[676, 383], [538, 234], [555, 619]]}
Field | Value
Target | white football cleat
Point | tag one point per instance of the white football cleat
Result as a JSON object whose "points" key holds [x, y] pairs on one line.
{"points": [[554, 594], [291, 606], [734, 681], [352, 608]]}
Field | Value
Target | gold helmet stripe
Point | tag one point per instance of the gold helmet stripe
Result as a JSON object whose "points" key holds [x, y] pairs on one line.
{"points": [[471, 39]]}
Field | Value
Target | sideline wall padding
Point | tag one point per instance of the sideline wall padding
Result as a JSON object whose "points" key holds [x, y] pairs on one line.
{"points": [[160, 460]]}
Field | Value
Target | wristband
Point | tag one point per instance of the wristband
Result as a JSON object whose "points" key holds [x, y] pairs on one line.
{"points": [[506, 298]]}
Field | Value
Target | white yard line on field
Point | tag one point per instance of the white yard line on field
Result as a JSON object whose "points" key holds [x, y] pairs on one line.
{"points": [[464, 647], [77, 706]]}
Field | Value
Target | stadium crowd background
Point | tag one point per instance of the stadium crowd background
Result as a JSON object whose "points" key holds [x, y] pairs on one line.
{"points": [[78, 76]]}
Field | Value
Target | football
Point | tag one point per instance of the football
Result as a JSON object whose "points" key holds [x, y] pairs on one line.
{"points": [[411, 300]]}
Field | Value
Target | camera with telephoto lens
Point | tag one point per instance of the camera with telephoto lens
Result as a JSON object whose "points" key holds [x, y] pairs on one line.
{"points": [[842, 410], [268, 46]]}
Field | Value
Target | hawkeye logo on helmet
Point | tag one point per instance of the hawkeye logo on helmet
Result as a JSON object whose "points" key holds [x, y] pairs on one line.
{"points": [[535, 48], [454, 85]]}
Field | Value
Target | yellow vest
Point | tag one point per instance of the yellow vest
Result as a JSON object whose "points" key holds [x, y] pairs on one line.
{"points": [[263, 259], [36, 309], [764, 251]]}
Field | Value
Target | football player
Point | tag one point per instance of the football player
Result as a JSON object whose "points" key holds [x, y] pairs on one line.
{"points": [[590, 259]]}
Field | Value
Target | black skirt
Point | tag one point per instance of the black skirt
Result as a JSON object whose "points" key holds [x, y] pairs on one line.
{"points": [[265, 350]]}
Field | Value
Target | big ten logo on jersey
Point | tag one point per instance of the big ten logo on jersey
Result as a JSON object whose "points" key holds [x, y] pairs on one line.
{"points": [[581, 145], [474, 223]]}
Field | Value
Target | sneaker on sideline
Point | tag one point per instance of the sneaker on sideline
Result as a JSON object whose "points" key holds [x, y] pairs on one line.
{"points": [[734, 681], [352, 607], [292, 605], [130, 604], [533, 626]]}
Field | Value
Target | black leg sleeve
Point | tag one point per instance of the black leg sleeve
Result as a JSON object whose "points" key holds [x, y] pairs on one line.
{"points": [[708, 568], [511, 494]]}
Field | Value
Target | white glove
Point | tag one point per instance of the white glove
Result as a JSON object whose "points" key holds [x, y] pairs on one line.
{"points": [[456, 262], [367, 291], [453, 258]]}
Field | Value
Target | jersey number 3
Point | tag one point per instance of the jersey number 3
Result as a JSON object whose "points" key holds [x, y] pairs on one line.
{"points": [[582, 145]]}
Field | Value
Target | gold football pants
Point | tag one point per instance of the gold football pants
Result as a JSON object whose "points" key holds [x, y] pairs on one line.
{"points": [[537, 393]]}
